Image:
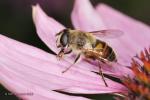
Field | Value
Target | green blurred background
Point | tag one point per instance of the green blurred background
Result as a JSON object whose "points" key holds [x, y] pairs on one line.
{"points": [[16, 22]]}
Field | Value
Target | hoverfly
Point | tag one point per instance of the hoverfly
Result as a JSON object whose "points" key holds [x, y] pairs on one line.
{"points": [[88, 45]]}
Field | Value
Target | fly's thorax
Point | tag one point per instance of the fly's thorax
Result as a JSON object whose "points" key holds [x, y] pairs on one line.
{"points": [[81, 39]]}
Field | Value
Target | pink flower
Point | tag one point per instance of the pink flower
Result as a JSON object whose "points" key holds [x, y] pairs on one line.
{"points": [[26, 69]]}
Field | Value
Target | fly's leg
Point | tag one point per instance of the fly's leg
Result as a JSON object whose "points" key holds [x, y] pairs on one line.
{"points": [[77, 58], [62, 52], [68, 52], [101, 73]]}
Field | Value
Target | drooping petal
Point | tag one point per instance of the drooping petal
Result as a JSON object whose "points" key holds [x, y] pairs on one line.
{"points": [[136, 34], [30, 91], [46, 27], [35, 66], [84, 16]]}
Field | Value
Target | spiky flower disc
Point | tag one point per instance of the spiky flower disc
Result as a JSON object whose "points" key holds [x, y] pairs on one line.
{"points": [[139, 86]]}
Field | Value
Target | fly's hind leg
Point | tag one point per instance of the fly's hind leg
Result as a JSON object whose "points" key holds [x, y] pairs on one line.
{"points": [[101, 73], [77, 58]]}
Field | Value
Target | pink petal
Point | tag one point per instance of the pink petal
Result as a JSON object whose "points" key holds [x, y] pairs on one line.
{"points": [[46, 27], [84, 16], [135, 39], [41, 19], [28, 64], [30, 91], [116, 70]]}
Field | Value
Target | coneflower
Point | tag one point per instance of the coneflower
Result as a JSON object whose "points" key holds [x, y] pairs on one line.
{"points": [[27, 69]]}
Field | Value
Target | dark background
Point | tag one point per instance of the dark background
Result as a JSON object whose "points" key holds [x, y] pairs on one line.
{"points": [[16, 21]]}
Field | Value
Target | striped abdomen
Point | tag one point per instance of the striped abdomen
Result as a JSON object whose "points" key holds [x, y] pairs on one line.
{"points": [[101, 50], [105, 51]]}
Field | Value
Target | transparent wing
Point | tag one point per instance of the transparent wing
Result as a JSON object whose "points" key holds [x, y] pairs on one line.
{"points": [[109, 33]]}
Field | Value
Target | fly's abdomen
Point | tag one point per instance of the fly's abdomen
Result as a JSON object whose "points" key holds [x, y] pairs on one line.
{"points": [[109, 54], [105, 51]]}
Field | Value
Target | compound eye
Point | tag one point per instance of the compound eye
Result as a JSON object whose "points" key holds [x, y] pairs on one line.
{"points": [[64, 39]]}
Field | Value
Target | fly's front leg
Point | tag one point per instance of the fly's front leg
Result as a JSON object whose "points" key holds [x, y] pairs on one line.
{"points": [[76, 59], [62, 52], [68, 52]]}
